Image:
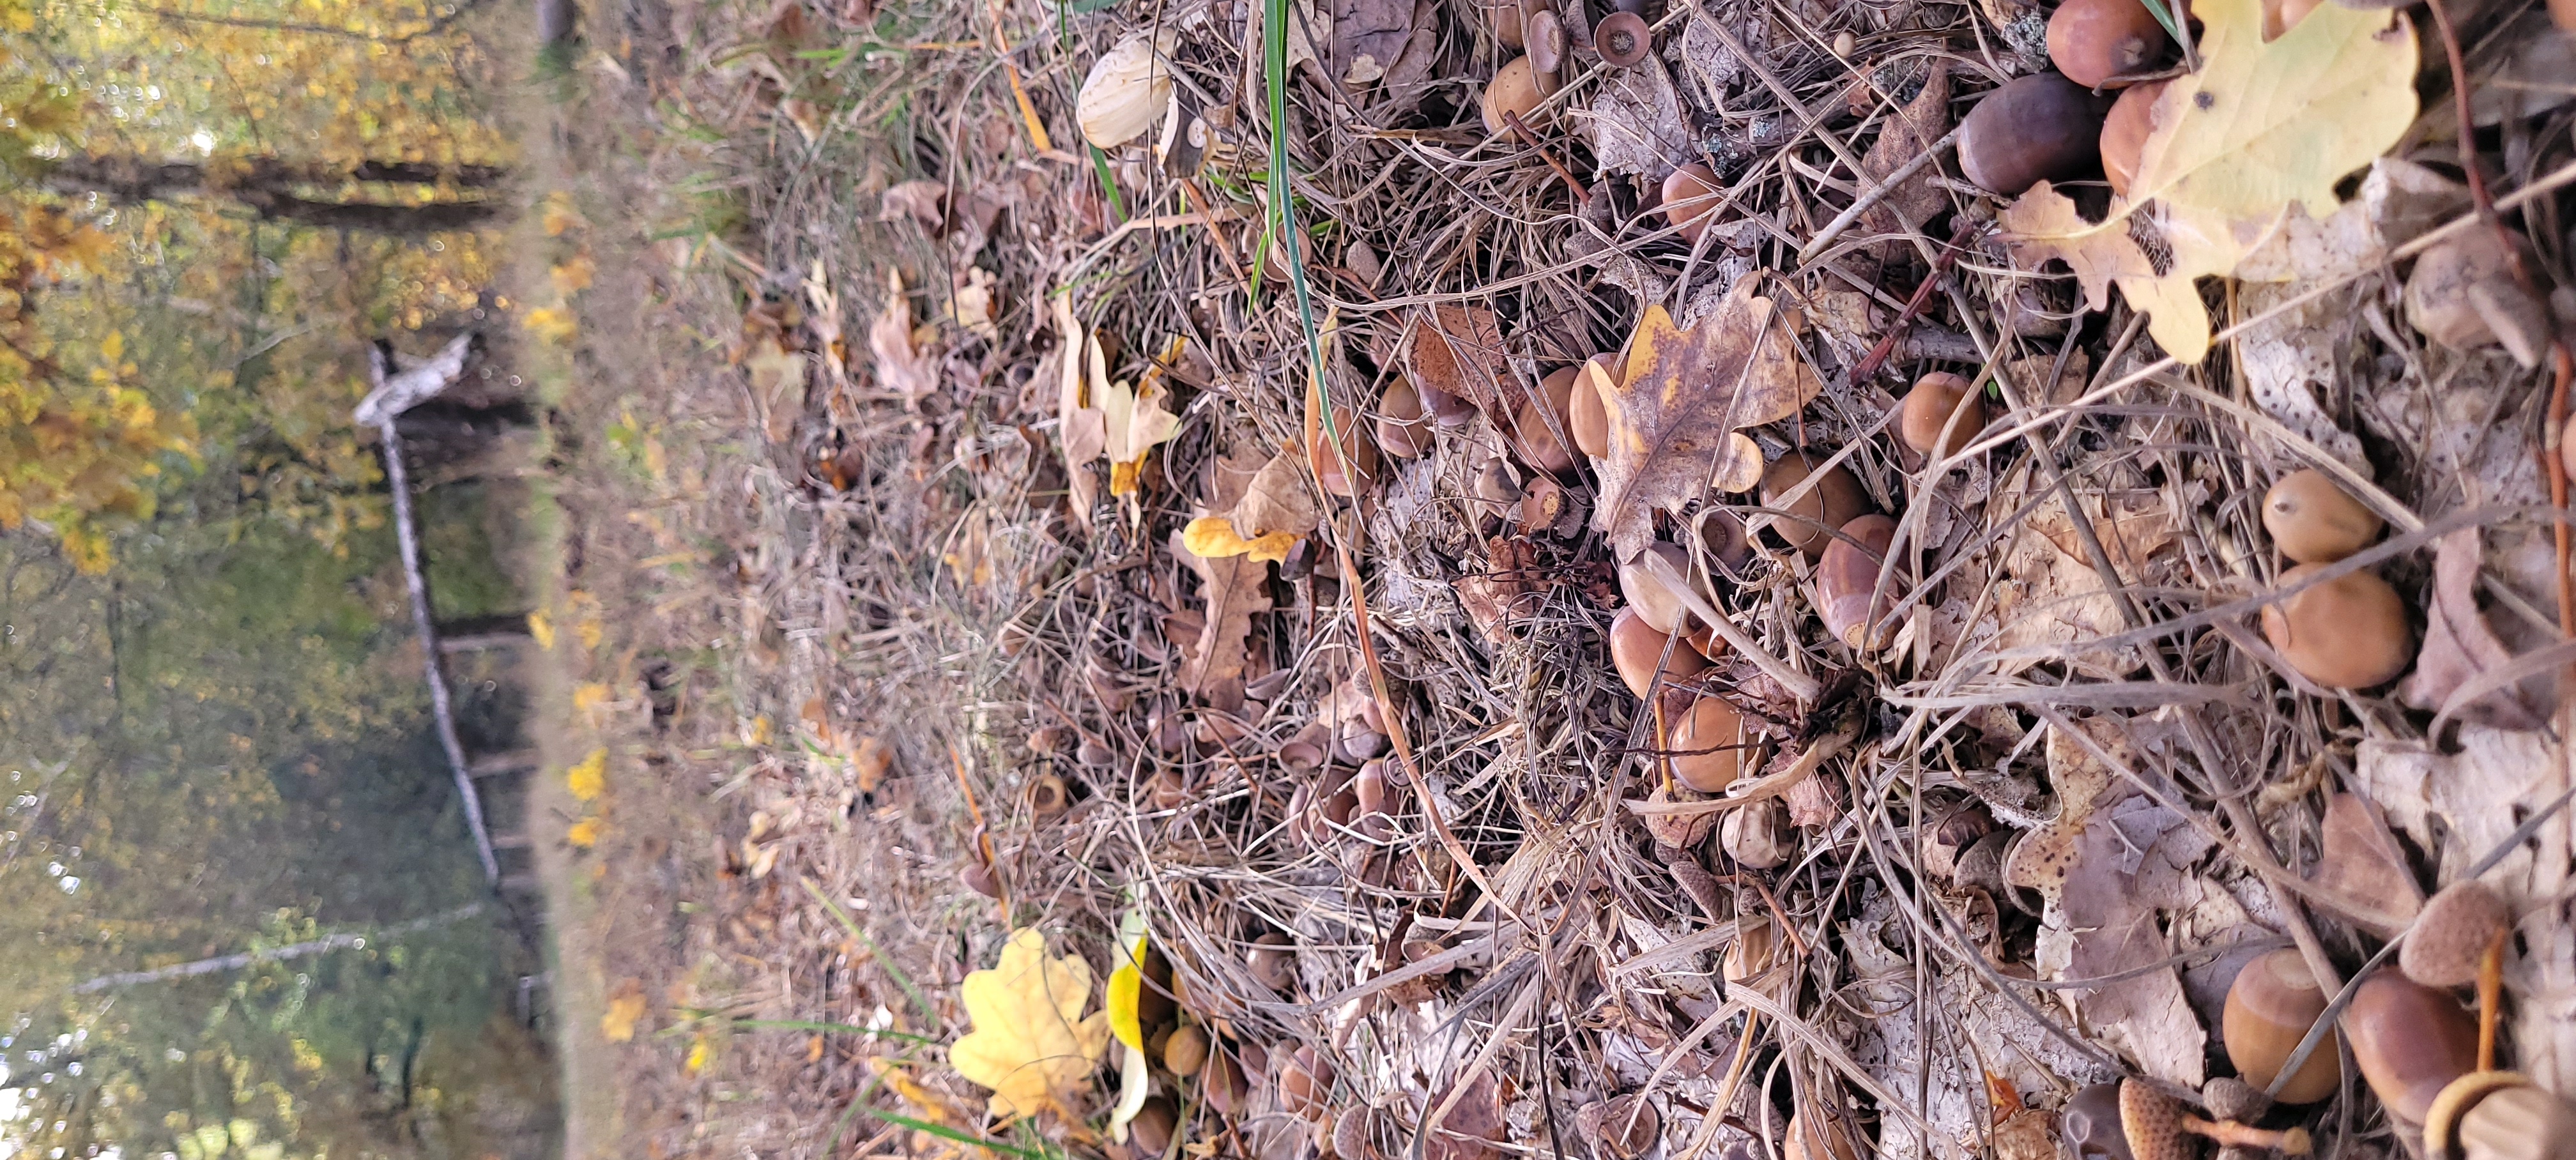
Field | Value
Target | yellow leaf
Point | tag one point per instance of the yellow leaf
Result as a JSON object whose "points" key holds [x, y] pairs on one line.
{"points": [[1214, 537], [589, 630], [584, 834], [588, 779], [112, 347], [573, 276], [552, 323], [1031, 1044], [698, 1055], [625, 1009], [543, 630], [2262, 127], [589, 696], [560, 216], [1126, 989]]}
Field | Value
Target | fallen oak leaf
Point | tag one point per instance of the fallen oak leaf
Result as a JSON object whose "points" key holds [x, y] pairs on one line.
{"points": [[2362, 870], [1133, 418], [1674, 416], [1031, 1044], [2260, 128], [1275, 512], [1457, 351], [2460, 647], [1081, 428]]}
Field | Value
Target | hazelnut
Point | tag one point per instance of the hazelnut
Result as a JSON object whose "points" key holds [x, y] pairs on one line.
{"points": [[2270, 1007], [1661, 607], [2314, 521], [1758, 835], [1624, 39], [2091, 1122], [1274, 956], [1708, 745], [1403, 425], [2124, 132], [1634, 645], [2094, 42], [1835, 500], [2409, 1040], [1512, 93], [1305, 1080], [1359, 453], [1942, 402], [2452, 934], [1186, 1051], [1847, 591], [1810, 1139], [1541, 416], [2041, 127], [1690, 200], [1589, 418], [1152, 1128], [2346, 633]]}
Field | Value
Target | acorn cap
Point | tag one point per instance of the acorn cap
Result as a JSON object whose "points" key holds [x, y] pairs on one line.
{"points": [[2152, 1121], [2517, 1123], [2452, 934], [2442, 1120], [1623, 38]]}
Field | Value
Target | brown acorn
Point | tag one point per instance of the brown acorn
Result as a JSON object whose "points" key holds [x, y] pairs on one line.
{"points": [[2095, 41], [2346, 633], [2041, 127]]}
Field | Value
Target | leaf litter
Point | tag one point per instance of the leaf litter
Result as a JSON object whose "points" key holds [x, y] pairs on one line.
{"points": [[1421, 866]]}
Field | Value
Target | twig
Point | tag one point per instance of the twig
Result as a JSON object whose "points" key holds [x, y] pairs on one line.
{"points": [[1522, 130], [442, 712], [1872, 196]]}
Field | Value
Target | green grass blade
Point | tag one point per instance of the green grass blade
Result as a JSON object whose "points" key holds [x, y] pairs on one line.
{"points": [[902, 980]]}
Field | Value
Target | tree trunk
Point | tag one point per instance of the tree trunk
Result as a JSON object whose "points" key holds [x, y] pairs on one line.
{"points": [[268, 185]]}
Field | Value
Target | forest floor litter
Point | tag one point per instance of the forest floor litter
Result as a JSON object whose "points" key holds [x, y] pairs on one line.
{"points": [[1558, 588]]}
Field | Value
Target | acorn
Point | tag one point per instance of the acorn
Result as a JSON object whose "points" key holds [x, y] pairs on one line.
{"points": [[1222, 1083], [1758, 835], [1512, 93], [2451, 936], [2096, 41], [1504, 17], [2041, 127], [1543, 33], [1403, 424], [2409, 1040], [1661, 607], [1589, 416], [1274, 957], [2346, 633], [1634, 645], [1048, 796], [2124, 132], [1940, 402], [1847, 578], [2270, 1007], [1624, 39], [1186, 1051], [1837, 499], [1305, 1082], [2313, 520], [1690, 200], [1708, 745], [2091, 1122], [1360, 454], [1152, 1128], [1538, 419]]}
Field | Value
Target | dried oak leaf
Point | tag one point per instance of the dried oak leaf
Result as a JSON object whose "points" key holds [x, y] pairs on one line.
{"points": [[2260, 128], [1638, 126], [1234, 588], [2052, 597], [1031, 1043], [1275, 512], [2460, 649], [902, 367], [1909, 135], [2362, 869], [1674, 417], [2108, 867], [1459, 350]]}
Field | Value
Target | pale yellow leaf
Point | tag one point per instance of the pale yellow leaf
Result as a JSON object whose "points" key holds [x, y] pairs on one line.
{"points": [[583, 834], [625, 1010], [2262, 127], [1031, 1044], [542, 631], [588, 779]]}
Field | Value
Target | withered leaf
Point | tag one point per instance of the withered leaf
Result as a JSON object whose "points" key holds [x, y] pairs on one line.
{"points": [[2460, 648], [1912, 131], [1459, 350], [903, 368], [1674, 417], [2363, 869]]}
